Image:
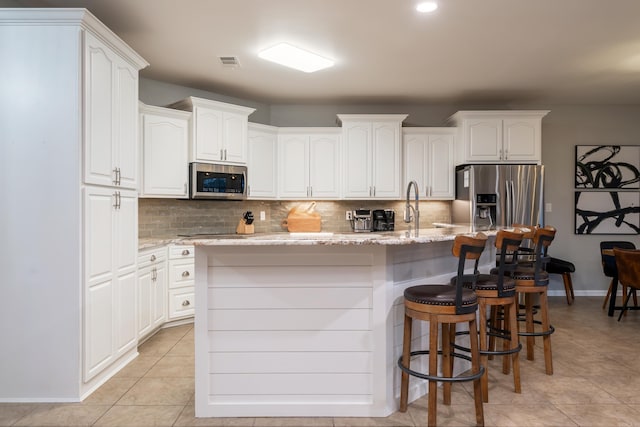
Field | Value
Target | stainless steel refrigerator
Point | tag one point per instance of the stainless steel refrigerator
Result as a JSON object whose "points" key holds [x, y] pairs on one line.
{"points": [[490, 196]]}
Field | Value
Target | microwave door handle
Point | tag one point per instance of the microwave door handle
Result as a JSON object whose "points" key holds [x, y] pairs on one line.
{"points": [[507, 204]]}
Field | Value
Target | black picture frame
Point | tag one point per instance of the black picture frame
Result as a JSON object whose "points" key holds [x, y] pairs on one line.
{"points": [[607, 212], [607, 167]]}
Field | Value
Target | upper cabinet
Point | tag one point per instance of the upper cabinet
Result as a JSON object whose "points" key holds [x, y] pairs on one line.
{"points": [[371, 155], [218, 130], [261, 162], [499, 136], [309, 163], [111, 119], [164, 135], [429, 160]]}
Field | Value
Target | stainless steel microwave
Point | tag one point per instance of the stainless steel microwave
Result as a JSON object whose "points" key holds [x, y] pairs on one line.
{"points": [[211, 181]]}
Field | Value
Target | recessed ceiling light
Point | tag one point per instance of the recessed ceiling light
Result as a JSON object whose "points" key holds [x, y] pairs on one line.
{"points": [[294, 57], [426, 6]]}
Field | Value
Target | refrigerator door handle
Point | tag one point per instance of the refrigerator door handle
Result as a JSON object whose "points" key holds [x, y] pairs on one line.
{"points": [[509, 203]]}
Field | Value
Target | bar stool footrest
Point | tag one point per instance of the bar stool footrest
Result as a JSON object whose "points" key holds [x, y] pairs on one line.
{"points": [[536, 333], [488, 352], [460, 378]]}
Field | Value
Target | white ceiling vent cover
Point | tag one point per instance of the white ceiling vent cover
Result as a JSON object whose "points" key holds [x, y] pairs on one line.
{"points": [[229, 61]]}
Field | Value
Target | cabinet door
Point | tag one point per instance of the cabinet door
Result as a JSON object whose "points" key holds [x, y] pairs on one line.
{"points": [[261, 165], [159, 296], [126, 232], [293, 166], [324, 166], [126, 142], [125, 304], [440, 167], [165, 152], [235, 138], [98, 233], [208, 134], [415, 161], [146, 285], [356, 167], [386, 160], [99, 113], [98, 331], [484, 139], [522, 140]]}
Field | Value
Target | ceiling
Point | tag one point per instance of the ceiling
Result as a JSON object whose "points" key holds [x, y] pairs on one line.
{"points": [[483, 51]]}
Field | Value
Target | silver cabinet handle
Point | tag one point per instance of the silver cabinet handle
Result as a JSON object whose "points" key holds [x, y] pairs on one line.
{"points": [[153, 257], [311, 191], [186, 303], [248, 190], [374, 191], [115, 176], [154, 274], [116, 200], [185, 274], [506, 154], [186, 252], [185, 188], [225, 154]]}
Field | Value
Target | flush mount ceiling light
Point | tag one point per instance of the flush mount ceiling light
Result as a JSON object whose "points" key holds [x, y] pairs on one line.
{"points": [[294, 57], [427, 6]]}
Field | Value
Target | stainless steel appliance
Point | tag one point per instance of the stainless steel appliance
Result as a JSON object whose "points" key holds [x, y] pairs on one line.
{"points": [[383, 220], [211, 181], [361, 220], [490, 196]]}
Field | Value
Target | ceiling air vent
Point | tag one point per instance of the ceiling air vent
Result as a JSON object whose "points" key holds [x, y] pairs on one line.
{"points": [[229, 61]]}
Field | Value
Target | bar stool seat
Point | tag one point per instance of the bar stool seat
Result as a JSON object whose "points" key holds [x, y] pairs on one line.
{"points": [[563, 268], [442, 295]]}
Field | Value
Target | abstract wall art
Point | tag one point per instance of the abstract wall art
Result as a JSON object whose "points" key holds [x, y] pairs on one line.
{"points": [[607, 166], [609, 179]]}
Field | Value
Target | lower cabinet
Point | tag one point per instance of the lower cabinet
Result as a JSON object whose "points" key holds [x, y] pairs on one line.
{"points": [[152, 290], [181, 283]]}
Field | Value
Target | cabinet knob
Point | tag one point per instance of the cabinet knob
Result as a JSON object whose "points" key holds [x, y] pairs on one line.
{"points": [[186, 252], [185, 274], [186, 303], [153, 257]]}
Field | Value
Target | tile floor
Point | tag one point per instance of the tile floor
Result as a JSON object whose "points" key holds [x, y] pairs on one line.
{"points": [[596, 382]]}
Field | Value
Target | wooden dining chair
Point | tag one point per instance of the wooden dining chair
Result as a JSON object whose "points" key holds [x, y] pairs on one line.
{"points": [[610, 270], [628, 264]]}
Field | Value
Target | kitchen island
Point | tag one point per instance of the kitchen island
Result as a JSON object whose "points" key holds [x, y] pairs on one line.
{"points": [[310, 324]]}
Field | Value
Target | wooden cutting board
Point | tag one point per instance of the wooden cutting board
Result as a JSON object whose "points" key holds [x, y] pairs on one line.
{"points": [[303, 218]]}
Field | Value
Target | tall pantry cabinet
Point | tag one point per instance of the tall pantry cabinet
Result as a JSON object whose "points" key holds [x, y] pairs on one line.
{"points": [[70, 124]]}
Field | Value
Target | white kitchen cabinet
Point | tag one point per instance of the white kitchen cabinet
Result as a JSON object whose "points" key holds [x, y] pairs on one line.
{"points": [[110, 241], [371, 156], [181, 282], [308, 163], [218, 130], [261, 162], [111, 119], [429, 160], [164, 134], [152, 290], [499, 136]]}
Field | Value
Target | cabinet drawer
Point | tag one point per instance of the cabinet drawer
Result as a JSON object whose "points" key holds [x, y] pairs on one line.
{"points": [[152, 256], [181, 302], [180, 251], [181, 273]]}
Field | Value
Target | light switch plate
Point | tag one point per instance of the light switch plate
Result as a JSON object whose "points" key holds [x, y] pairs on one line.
{"points": [[548, 207]]}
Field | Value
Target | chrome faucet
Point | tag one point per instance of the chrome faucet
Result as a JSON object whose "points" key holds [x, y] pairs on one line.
{"points": [[408, 208]]}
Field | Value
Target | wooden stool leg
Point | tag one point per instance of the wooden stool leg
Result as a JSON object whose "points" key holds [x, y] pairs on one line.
{"points": [[475, 368], [482, 308], [447, 362], [433, 370], [606, 299], [495, 324], [510, 313], [546, 325], [406, 360], [568, 287], [529, 325], [506, 344]]}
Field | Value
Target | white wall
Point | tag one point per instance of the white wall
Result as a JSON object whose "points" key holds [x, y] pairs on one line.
{"points": [[40, 213]]}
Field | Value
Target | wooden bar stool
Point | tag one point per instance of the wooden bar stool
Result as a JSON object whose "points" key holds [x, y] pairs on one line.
{"points": [[498, 291], [534, 280], [444, 306]]}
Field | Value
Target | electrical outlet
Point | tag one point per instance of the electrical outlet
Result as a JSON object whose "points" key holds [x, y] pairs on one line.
{"points": [[348, 215], [263, 216]]}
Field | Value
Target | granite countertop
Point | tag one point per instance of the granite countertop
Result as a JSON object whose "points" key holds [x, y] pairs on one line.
{"points": [[425, 235]]}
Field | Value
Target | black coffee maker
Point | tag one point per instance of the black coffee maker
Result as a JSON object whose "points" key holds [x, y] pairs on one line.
{"points": [[383, 220]]}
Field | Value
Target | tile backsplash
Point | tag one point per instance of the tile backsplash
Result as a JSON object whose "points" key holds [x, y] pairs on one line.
{"points": [[170, 217]]}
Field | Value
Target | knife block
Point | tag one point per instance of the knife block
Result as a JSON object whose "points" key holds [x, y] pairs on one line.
{"points": [[244, 228]]}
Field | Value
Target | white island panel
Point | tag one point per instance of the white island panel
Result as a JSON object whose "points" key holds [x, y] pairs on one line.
{"points": [[308, 329]]}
